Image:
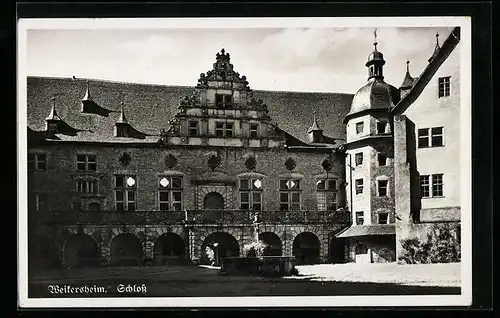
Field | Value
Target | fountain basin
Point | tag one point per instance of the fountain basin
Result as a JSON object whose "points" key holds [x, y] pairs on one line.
{"points": [[277, 266]]}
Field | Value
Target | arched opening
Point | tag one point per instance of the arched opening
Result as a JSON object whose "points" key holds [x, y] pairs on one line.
{"points": [[337, 250], [81, 250], [43, 253], [126, 250], [94, 207], [362, 254], [214, 202], [273, 241], [218, 246], [169, 249], [306, 248]]}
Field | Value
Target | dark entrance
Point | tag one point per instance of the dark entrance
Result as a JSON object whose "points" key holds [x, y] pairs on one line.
{"points": [[273, 241], [81, 250], [126, 250], [218, 246], [306, 249], [169, 249], [214, 202], [337, 250]]}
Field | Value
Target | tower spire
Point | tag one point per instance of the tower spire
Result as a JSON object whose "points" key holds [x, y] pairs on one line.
{"points": [[123, 119], [437, 47], [87, 96], [53, 113], [375, 43]]}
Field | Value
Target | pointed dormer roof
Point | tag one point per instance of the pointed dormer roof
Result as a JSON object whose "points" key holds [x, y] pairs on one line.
{"points": [[122, 119], [314, 126], [436, 48], [53, 113], [408, 80], [87, 96]]}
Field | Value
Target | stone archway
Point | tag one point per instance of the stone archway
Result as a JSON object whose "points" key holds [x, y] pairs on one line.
{"points": [[81, 250], [220, 245], [306, 249], [169, 249], [273, 241], [126, 250], [42, 253]]}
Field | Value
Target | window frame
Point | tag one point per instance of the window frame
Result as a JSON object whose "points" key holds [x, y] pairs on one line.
{"points": [[125, 190], [359, 215], [431, 186], [224, 129], [254, 133], [87, 185], [359, 124], [379, 155], [379, 181], [227, 100], [358, 155], [429, 137], [290, 193], [358, 185], [382, 122], [86, 162], [386, 220], [444, 86], [331, 196], [36, 161], [170, 190], [250, 191], [190, 129]]}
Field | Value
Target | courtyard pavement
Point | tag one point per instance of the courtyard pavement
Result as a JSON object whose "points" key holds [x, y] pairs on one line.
{"points": [[198, 281]]}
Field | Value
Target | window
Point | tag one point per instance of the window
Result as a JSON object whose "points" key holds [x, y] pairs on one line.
{"points": [[382, 188], [358, 158], [86, 186], [40, 202], [251, 194], [435, 188], [37, 161], [359, 186], [86, 162], [381, 127], [383, 218], [289, 194], [382, 159], [326, 194], [254, 130], [360, 218], [170, 193], [359, 127], [430, 137], [193, 128], [224, 129], [125, 192], [223, 100], [444, 86]]}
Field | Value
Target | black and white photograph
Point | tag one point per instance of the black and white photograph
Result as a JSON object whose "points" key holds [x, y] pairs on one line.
{"points": [[244, 162]]}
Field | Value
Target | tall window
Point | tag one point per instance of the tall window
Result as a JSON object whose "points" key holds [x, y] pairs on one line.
{"points": [[254, 130], [359, 127], [326, 194], [444, 86], [383, 218], [358, 158], [86, 162], [360, 218], [431, 185], [37, 161], [86, 186], [193, 128], [223, 129], [430, 137], [382, 159], [290, 195], [223, 100], [382, 188], [381, 127], [251, 194], [170, 193], [125, 192], [359, 186]]}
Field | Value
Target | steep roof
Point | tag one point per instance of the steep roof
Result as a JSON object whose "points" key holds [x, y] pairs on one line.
{"points": [[149, 108]]}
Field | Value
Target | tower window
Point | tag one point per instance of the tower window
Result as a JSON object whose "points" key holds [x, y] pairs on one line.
{"points": [[359, 127], [360, 218], [359, 186], [444, 86], [382, 160], [381, 127], [358, 158], [383, 218], [254, 130], [382, 188], [193, 128]]}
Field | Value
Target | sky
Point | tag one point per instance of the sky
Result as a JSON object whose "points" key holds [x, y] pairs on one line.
{"points": [[279, 59]]}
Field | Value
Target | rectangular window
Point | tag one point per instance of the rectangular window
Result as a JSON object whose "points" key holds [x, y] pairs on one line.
{"points": [[382, 160], [381, 127], [224, 129], [229, 129], [219, 129], [193, 128], [251, 194], [444, 86], [358, 158], [359, 127], [437, 185], [424, 186], [437, 136], [326, 194], [290, 195], [359, 186], [125, 192], [170, 193], [382, 188], [360, 218], [383, 218], [223, 100], [37, 161], [86, 186], [254, 130], [86, 162], [423, 138]]}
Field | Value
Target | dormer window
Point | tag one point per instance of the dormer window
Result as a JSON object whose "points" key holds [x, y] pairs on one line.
{"points": [[223, 100], [122, 130]]}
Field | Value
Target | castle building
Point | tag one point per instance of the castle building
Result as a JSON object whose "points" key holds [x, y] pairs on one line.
{"points": [[151, 174]]}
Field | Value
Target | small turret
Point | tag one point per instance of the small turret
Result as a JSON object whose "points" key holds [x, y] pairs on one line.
{"points": [[315, 133], [52, 121]]}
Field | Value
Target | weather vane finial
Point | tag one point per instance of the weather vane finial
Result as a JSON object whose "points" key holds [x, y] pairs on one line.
{"points": [[375, 38]]}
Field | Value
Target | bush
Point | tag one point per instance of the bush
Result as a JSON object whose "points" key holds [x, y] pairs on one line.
{"points": [[209, 252], [256, 249], [442, 246]]}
